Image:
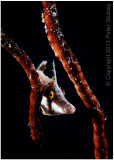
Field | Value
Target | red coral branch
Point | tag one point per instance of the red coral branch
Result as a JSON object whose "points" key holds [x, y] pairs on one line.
{"points": [[36, 87], [74, 71]]}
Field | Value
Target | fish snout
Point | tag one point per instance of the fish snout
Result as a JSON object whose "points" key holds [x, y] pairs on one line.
{"points": [[71, 109]]}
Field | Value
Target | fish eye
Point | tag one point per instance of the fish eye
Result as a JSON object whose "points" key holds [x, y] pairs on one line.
{"points": [[51, 94]]}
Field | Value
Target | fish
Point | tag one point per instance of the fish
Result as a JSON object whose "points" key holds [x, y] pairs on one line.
{"points": [[53, 100]]}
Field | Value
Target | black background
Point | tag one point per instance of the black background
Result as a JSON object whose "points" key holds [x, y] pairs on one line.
{"points": [[68, 136]]}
